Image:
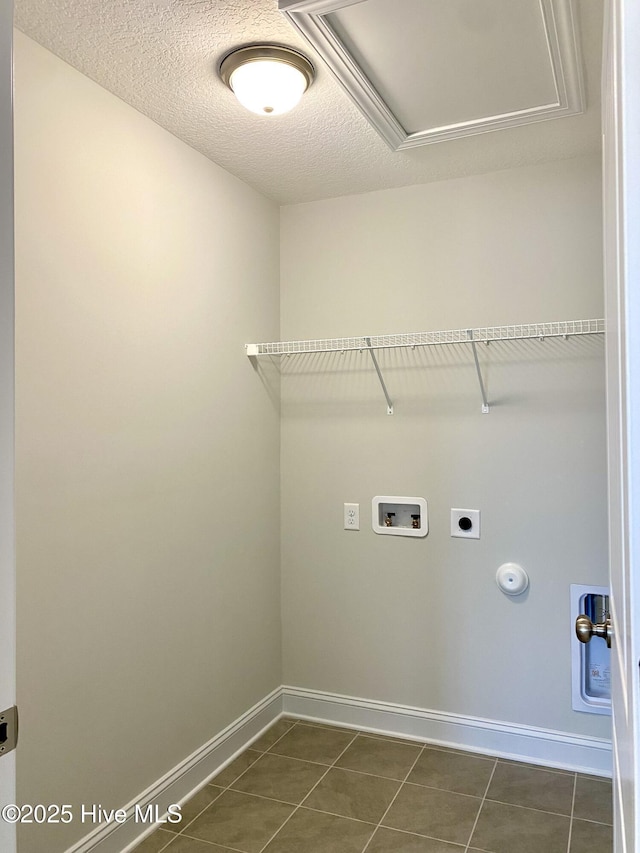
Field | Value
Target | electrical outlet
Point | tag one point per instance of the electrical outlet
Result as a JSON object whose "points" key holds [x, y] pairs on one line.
{"points": [[465, 523], [352, 516]]}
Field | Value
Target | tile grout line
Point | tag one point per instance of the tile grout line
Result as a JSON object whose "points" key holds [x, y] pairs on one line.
{"points": [[595, 822], [573, 805], [482, 802], [226, 788], [262, 753], [402, 782], [282, 825], [177, 836], [170, 841], [530, 808], [296, 723], [212, 844], [223, 789]]}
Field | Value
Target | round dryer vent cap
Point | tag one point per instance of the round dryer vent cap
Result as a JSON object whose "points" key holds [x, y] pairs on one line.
{"points": [[512, 579]]}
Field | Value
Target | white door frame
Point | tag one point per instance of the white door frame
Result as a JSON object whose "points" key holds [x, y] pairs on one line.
{"points": [[621, 202], [7, 536]]}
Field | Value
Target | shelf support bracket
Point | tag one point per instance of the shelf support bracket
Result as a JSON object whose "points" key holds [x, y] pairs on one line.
{"points": [[485, 402], [377, 367]]}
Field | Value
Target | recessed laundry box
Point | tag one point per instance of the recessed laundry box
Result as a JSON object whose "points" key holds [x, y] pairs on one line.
{"points": [[399, 516], [590, 661]]}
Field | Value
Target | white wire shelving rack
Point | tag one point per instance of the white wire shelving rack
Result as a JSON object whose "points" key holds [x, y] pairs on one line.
{"points": [[487, 334]]}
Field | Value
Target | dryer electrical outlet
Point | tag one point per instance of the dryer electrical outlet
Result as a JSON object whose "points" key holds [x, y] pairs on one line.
{"points": [[465, 523]]}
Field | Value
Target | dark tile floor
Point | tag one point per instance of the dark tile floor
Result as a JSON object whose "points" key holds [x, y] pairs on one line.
{"points": [[307, 788]]}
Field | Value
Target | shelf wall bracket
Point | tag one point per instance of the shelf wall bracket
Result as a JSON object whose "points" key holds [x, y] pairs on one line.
{"points": [[377, 367], [485, 402]]}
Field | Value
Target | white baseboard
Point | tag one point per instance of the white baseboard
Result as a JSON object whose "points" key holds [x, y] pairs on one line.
{"points": [[492, 737], [180, 783]]}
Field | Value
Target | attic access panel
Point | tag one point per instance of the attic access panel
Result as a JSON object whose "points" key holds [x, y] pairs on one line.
{"points": [[424, 71]]}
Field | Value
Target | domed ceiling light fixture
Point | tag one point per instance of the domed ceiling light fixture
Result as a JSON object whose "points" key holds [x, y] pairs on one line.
{"points": [[267, 79]]}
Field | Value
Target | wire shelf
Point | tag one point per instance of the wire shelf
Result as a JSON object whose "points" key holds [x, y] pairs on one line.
{"points": [[487, 334]]}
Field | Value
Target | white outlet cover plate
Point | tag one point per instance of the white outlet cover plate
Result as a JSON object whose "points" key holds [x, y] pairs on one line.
{"points": [[352, 516], [474, 517]]}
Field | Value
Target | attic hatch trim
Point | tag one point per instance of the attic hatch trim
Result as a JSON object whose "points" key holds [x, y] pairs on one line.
{"points": [[309, 17]]}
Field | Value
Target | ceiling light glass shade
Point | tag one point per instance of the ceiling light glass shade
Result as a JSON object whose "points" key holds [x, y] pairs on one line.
{"points": [[267, 80], [268, 87]]}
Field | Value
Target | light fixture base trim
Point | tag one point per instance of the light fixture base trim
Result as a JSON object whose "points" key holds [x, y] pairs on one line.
{"points": [[260, 52]]}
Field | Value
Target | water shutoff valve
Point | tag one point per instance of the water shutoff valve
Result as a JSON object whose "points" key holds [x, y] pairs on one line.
{"points": [[399, 516]]}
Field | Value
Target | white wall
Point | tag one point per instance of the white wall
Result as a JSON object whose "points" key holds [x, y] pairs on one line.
{"points": [[147, 448], [420, 621]]}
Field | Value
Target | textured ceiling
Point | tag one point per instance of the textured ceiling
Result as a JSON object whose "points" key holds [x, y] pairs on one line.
{"points": [[160, 56]]}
